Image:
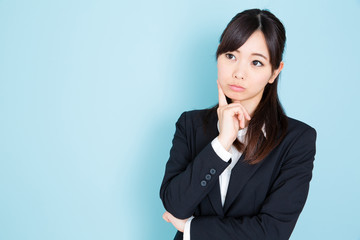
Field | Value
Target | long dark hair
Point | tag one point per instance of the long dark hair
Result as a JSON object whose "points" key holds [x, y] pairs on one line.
{"points": [[269, 112]]}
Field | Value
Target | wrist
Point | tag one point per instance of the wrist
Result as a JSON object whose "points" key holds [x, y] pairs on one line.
{"points": [[225, 144]]}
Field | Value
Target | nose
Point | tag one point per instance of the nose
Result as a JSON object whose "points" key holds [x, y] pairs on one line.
{"points": [[239, 71]]}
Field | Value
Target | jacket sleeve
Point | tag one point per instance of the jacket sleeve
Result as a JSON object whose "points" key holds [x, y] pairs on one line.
{"points": [[188, 179], [280, 210]]}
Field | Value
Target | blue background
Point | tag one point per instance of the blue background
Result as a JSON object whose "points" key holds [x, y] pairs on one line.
{"points": [[90, 92]]}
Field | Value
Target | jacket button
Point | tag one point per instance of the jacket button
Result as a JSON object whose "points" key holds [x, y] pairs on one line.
{"points": [[212, 171], [203, 183], [208, 177]]}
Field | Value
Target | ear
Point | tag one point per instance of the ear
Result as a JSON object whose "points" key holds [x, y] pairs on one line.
{"points": [[276, 72]]}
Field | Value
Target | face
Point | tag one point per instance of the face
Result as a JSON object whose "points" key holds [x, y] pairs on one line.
{"points": [[244, 73]]}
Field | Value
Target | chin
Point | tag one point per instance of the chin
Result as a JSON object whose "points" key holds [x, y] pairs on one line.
{"points": [[232, 96]]}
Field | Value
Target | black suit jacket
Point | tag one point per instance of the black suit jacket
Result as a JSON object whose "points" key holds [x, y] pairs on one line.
{"points": [[263, 201]]}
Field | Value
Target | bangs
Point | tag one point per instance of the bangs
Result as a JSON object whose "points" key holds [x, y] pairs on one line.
{"points": [[237, 33]]}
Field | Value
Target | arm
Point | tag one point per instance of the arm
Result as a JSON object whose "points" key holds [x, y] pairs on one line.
{"points": [[280, 210], [183, 225], [185, 183]]}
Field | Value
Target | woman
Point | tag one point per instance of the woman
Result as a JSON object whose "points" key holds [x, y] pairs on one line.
{"points": [[240, 170]]}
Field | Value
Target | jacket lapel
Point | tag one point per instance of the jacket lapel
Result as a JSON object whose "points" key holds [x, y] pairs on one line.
{"points": [[215, 199], [240, 175]]}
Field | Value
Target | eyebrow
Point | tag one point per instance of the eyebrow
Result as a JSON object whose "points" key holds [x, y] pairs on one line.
{"points": [[256, 54], [259, 54]]}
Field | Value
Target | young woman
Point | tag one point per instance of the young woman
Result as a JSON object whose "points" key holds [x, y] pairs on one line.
{"points": [[240, 170]]}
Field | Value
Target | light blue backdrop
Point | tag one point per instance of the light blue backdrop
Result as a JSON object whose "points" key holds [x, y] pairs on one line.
{"points": [[90, 92]]}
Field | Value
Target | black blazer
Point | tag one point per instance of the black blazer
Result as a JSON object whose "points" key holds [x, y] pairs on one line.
{"points": [[263, 201]]}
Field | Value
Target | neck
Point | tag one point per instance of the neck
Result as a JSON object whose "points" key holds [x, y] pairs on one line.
{"points": [[250, 106]]}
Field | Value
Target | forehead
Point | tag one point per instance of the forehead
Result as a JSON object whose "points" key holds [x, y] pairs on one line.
{"points": [[256, 43]]}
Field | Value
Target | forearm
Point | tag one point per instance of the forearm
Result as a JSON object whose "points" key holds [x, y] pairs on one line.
{"points": [[182, 192]]}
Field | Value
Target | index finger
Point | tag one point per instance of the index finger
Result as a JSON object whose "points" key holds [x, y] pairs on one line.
{"points": [[222, 98]]}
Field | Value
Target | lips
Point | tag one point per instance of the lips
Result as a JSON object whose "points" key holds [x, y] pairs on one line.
{"points": [[237, 88]]}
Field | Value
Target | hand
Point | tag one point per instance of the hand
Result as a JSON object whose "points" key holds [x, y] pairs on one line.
{"points": [[232, 117], [179, 224]]}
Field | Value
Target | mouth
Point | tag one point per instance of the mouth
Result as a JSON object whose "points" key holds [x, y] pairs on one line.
{"points": [[237, 88]]}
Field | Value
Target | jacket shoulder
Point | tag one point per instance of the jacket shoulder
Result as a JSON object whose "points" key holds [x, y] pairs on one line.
{"points": [[295, 125], [199, 117], [299, 132]]}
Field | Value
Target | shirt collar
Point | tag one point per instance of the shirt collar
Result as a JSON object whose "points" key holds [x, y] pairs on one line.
{"points": [[242, 132]]}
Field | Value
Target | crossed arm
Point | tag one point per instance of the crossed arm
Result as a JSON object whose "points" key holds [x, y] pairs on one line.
{"points": [[181, 192]]}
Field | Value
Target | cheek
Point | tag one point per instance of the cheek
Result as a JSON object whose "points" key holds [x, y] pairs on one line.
{"points": [[220, 75], [219, 70], [261, 78], [223, 72]]}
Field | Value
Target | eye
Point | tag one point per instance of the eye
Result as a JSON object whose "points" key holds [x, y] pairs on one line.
{"points": [[257, 63], [230, 56]]}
